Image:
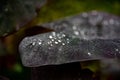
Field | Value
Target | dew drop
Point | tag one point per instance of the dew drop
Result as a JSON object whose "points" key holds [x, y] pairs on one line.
{"points": [[59, 41], [76, 32], [50, 37], [56, 42], [89, 53], [39, 43], [33, 43], [63, 44]]}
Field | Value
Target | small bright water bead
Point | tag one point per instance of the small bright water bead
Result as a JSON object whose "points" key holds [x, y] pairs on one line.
{"points": [[53, 33], [63, 44], [40, 43], [59, 40], [63, 35], [76, 33], [116, 49], [50, 37], [51, 44], [56, 42], [33, 43], [74, 27], [52, 40], [89, 54], [68, 40]]}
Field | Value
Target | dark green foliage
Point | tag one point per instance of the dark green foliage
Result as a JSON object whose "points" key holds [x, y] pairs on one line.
{"points": [[16, 13]]}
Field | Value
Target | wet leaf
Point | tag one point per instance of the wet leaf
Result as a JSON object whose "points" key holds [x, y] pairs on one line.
{"points": [[75, 38]]}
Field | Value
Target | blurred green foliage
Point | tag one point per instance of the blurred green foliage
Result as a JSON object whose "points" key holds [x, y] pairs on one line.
{"points": [[56, 9]]}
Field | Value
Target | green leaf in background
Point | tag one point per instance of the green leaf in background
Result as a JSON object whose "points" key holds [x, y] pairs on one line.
{"points": [[56, 9], [16, 13]]}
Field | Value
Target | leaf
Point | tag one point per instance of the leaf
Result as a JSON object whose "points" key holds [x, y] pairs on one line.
{"points": [[16, 13], [75, 38]]}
